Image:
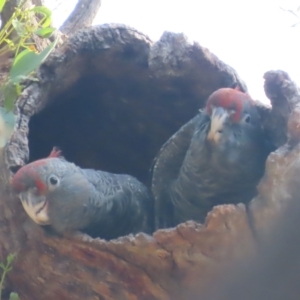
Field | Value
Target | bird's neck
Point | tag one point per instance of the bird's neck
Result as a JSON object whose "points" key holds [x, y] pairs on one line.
{"points": [[197, 158]]}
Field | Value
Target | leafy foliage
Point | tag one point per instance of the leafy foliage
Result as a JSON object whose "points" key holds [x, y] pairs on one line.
{"points": [[14, 296], [5, 269], [25, 23]]}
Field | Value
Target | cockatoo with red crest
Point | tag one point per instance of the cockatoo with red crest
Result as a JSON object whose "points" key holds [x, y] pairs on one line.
{"points": [[218, 157], [58, 193]]}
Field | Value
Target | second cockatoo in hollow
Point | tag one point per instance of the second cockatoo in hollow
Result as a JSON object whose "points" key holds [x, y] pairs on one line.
{"points": [[218, 157], [58, 193]]}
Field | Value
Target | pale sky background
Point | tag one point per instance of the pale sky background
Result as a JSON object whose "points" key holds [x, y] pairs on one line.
{"points": [[251, 36]]}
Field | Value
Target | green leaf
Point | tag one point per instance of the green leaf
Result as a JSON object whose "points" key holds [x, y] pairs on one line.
{"points": [[2, 265], [14, 296], [45, 32], [19, 27], [21, 56], [10, 96], [9, 102], [18, 89], [47, 22], [2, 3], [43, 10], [28, 61], [10, 258], [46, 12]]}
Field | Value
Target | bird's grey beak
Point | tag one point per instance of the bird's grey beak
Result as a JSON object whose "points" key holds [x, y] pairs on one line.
{"points": [[218, 118]]}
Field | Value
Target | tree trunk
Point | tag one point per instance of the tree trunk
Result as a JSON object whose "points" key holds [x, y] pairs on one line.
{"points": [[109, 98]]}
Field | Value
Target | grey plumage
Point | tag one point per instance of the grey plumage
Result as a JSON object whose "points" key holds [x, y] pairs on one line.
{"points": [[98, 203], [192, 174]]}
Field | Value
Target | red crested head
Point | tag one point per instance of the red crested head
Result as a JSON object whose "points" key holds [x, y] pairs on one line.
{"points": [[232, 100], [55, 152], [29, 176]]}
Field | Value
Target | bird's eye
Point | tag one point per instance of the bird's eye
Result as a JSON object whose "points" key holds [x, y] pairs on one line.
{"points": [[53, 180], [248, 119]]}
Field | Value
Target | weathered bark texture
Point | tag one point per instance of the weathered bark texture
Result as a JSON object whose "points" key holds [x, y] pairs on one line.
{"points": [[110, 97], [82, 16], [273, 273]]}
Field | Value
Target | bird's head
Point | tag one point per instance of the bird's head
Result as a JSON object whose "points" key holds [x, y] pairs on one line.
{"points": [[234, 130], [231, 113], [41, 183]]}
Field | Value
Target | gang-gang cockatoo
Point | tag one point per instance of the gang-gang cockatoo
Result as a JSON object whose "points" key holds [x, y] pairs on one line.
{"points": [[58, 193], [218, 157]]}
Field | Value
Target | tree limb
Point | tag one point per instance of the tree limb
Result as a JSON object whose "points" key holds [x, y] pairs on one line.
{"points": [[82, 16]]}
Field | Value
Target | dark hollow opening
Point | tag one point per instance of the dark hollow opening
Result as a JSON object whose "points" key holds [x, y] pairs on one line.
{"points": [[115, 125]]}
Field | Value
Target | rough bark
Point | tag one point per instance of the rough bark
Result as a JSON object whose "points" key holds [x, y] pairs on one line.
{"points": [[110, 97], [82, 16], [273, 273]]}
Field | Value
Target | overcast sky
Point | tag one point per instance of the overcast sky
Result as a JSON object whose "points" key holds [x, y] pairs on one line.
{"points": [[251, 36]]}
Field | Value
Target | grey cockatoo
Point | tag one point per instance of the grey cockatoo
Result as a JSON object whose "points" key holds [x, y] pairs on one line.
{"points": [[218, 157], [56, 192]]}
